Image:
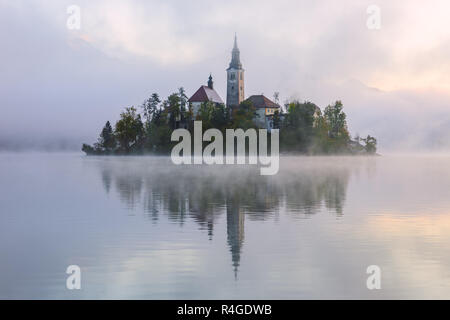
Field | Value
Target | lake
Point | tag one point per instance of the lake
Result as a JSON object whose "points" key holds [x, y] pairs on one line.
{"points": [[143, 228]]}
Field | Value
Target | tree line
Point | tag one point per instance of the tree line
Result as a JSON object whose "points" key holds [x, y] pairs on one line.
{"points": [[304, 128]]}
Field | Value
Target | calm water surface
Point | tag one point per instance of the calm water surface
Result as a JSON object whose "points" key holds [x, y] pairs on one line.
{"points": [[141, 227]]}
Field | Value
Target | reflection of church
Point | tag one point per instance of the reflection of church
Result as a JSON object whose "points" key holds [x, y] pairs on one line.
{"points": [[265, 108], [235, 232], [238, 194]]}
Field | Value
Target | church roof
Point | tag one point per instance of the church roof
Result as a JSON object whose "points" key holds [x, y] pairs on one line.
{"points": [[204, 94], [260, 101]]}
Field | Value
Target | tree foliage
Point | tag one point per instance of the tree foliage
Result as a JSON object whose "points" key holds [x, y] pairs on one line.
{"points": [[370, 144], [107, 140], [129, 131], [244, 116], [297, 130], [150, 106], [303, 128]]}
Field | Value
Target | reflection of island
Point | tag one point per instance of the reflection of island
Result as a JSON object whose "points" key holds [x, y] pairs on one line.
{"points": [[203, 193]]}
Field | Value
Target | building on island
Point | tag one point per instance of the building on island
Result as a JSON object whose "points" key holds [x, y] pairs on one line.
{"points": [[265, 108], [235, 78], [204, 94]]}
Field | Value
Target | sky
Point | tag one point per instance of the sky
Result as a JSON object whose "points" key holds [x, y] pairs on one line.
{"points": [[58, 86]]}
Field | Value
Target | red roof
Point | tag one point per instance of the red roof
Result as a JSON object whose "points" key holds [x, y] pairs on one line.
{"points": [[260, 101], [204, 94]]}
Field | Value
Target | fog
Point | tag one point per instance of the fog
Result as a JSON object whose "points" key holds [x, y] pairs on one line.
{"points": [[59, 86], [144, 228]]}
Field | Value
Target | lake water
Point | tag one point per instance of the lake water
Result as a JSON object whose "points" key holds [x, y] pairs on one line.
{"points": [[141, 227]]}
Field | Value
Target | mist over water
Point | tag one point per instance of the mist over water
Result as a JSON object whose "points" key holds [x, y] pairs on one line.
{"points": [[141, 227]]}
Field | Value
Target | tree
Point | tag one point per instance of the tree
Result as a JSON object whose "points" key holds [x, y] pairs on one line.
{"points": [[158, 138], [183, 99], [370, 144], [107, 141], [129, 131], [336, 123], [276, 119], [298, 126], [205, 114], [303, 128], [321, 141], [336, 120], [173, 108], [213, 115], [157, 131], [105, 144], [244, 115], [276, 97], [150, 106], [89, 150]]}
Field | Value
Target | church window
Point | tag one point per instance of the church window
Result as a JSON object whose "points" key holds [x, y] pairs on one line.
{"points": [[232, 76]]}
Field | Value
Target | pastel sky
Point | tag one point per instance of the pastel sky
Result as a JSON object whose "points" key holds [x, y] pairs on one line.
{"points": [[60, 84]]}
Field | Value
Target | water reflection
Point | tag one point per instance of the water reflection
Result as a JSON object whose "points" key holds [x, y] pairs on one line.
{"points": [[205, 193], [235, 234], [143, 228]]}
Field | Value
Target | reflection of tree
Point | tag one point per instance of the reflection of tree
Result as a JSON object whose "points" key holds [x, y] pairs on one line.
{"points": [[203, 193], [129, 188], [206, 200], [334, 193], [106, 179], [307, 191]]}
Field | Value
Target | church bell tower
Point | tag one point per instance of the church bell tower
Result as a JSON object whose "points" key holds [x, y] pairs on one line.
{"points": [[235, 78]]}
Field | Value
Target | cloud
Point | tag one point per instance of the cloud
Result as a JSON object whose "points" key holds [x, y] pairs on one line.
{"points": [[321, 51], [152, 30]]}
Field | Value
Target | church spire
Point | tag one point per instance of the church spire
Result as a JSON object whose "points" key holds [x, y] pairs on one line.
{"points": [[235, 78], [235, 55], [210, 82]]}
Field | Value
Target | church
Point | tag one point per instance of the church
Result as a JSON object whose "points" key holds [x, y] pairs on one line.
{"points": [[265, 108]]}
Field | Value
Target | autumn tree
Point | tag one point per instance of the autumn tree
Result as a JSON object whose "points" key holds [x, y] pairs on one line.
{"points": [[129, 131]]}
